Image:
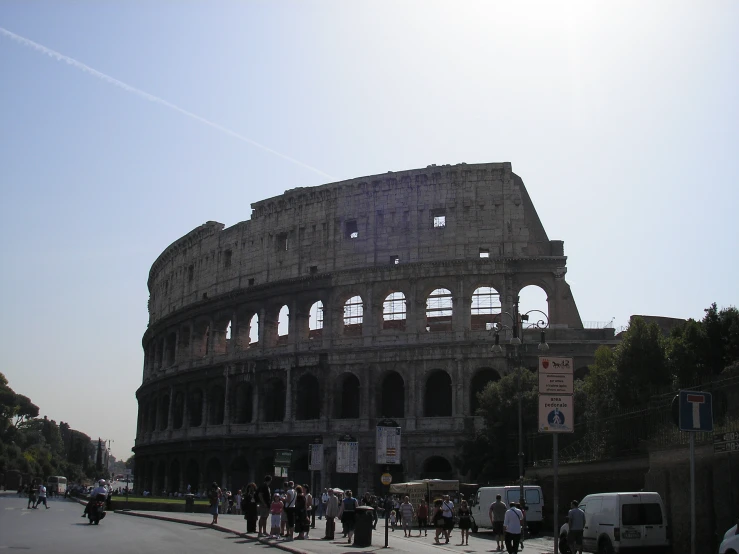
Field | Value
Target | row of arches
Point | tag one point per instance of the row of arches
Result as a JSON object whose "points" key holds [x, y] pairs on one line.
{"points": [[244, 402], [248, 328]]}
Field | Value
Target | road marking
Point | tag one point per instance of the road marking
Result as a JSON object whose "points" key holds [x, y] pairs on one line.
{"points": [[10, 508]]}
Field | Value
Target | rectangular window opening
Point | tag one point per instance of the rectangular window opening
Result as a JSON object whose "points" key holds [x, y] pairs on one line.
{"points": [[313, 269], [394, 260], [352, 231], [251, 282], [484, 252], [439, 218], [227, 258], [190, 273], [282, 242]]}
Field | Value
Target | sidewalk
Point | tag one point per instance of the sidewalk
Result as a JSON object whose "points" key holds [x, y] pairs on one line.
{"points": [[482, 542]]}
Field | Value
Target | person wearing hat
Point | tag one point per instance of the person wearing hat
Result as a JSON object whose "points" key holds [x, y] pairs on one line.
{"points": [[214, 496]]}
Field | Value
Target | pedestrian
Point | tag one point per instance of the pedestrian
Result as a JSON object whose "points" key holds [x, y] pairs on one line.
{"points": [[275, 516], [322, 505], [465, 522], [309, 508], [497, 515], [564, 548], [263, 504], [32, 496], [224, 501], [290, 497], [438, 519], [512, 527], [214, 498], [423, 518], [332, 511], [238, 500], [41, 496], [407, 512], [347, 513], [447, 509], [250, 508], [302, 524], [576, 522], [393, 520]]}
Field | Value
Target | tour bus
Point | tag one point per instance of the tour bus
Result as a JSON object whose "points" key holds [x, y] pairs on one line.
{"points": [[486, 496], [56, 484]]}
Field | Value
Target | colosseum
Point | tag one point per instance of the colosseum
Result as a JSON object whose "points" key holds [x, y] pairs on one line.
{"points": [[334, 307]]}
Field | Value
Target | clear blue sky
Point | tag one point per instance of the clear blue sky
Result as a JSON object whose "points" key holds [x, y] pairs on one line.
{"points": [[622, 118]]}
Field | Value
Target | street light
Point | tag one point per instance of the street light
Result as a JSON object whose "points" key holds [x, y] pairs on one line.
{"points": [[516, 329]]}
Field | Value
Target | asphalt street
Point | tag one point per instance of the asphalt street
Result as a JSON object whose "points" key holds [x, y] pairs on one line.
{"points": [[61, 530]]}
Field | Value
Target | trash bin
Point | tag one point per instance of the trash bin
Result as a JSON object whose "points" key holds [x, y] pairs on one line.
{"points": [[189, 503], [365, 520]]}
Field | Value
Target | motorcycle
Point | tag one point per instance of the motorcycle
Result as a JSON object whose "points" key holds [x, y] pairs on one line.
{"points": [[96, 509]]}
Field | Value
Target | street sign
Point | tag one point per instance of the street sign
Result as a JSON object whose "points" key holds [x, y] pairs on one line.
{"points": [[556, 414], [696, 411], [386, 479], [547, 364], [283, 458], [347, 455], [726, 442], [555, 383], [315, 459], [387, 445]]}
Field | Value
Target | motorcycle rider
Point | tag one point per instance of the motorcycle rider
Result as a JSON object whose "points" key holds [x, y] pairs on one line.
{"points": [[101, 489]]}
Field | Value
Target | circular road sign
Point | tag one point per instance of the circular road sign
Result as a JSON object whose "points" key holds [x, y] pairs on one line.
{"points": [[386, 479]]}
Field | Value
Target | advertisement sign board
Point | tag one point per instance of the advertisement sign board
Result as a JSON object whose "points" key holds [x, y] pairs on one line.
{"points": [[387, 445], [315, 457], [347, 456]]}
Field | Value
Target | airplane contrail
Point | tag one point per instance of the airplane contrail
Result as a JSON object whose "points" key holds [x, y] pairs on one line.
{"points": [[120, 84]]}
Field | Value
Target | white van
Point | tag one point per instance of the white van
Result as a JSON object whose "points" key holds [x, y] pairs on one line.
{"points": [[480, 505], [619, 521]]}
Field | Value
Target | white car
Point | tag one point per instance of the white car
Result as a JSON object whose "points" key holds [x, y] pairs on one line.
{"points": [[730, 544]]}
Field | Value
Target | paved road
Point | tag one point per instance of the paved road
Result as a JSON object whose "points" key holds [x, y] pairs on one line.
{"points": [[61, 530]]}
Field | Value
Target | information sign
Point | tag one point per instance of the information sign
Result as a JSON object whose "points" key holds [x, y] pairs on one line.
{"points": [[556, 414], [283, 458], [696, 411], [347, 456], [547, 364], [386, 479], [315, 457], [387, 445], [726, 442], [555, 383]]}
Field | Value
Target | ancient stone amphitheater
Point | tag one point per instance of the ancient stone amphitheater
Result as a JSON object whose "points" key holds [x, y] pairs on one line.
{"points": [[334, 307]]}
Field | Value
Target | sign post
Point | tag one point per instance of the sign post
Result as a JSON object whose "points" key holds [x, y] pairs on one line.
{"points": [[695, 416], [387, 452], [282, 462], [315, 460], [556, 415]]}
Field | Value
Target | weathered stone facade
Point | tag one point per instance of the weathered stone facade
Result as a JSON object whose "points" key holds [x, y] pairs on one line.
{"points": [[409, 267]]}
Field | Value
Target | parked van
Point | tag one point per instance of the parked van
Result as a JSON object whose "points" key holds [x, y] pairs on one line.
{"points": [[619, 521], [480, 505]]}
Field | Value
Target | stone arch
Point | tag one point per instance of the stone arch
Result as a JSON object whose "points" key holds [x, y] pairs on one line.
{"points": [[200, 338], [164, 411], [485, 307], [315, 320], [307, 395], [214, 472], [394, 311], [253, 332], [184, 342], [533, 296], [174, 476], [242, 402], [195, 408], [152, 415], [353, 316], [438, 395], [178, 408], [216, 405], [161, 477], [239, 472], [192, 475], [478, 382], [170, 347], [437, 467], [273, 407], [283, 325], [439, 309], [392, 396], [348, 397]]}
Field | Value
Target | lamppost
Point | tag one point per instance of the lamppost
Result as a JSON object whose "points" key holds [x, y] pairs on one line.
{"points": [[516, 329]]}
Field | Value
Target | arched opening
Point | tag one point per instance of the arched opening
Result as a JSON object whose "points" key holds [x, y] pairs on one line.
{"points": [[239, 471], [274, 400], [254, 331], [161, 478], [485, 308], [192, 476], [179, 407], [153, 415], [353, 316], [220, 334], [214, 472], [394, 311], [243, 403], [315, 321], [216, 406], [392, 403], [201, 334], [184, 344], [439, 311], [170, 346], [478, 383], [174, 476], [438, 397], [164, 411], [195, 408], [283, 325], [348, 397], [533, 297], [307, 403], [437, 467]]}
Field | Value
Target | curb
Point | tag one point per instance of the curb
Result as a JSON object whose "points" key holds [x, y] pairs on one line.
{"points": [[268, 542]]}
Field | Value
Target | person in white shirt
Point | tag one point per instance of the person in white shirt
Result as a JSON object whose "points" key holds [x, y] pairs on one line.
{"points": [[41, 496], [323, 504], [100, 489], [512, 527]]}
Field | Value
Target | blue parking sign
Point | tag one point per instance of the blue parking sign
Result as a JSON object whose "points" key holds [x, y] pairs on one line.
{"points": [[696, 411]]}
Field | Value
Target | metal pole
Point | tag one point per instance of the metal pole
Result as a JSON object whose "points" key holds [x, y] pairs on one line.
{"points": [[555, 494], [521, 498], [692, 493]]}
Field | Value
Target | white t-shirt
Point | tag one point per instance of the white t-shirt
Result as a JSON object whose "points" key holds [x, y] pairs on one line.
{"points": [[447, 508], [42, 491], [98, 490], [512, 521], [290, 498]]}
